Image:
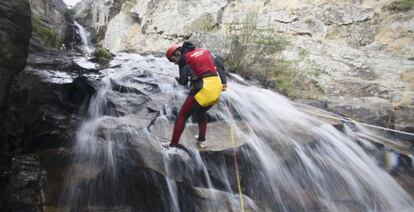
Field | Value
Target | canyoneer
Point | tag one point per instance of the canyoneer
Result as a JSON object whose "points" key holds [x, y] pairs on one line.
{"points": [[206, 74]]}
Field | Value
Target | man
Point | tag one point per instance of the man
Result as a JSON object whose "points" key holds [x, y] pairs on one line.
{"points": [[207, 76]]}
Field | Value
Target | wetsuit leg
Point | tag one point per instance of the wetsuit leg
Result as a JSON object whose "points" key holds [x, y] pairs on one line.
{"points": [[183, 115], [202, 122]]}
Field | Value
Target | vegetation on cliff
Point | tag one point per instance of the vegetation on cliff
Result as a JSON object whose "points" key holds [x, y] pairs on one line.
{"points": [[47, 36], [400, 5], [256, 53]]}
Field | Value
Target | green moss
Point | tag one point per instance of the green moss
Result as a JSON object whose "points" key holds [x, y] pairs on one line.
{"points": [[128, 5], [71, 13], [102, 54], [47, 36], [400, 5]]}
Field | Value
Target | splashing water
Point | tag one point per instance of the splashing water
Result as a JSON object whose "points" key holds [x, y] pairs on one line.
{"points": [[86, 47], [288, 160]]}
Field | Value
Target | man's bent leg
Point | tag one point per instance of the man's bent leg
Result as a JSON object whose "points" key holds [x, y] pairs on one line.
{"points": [[202, 122], [183, 115]]}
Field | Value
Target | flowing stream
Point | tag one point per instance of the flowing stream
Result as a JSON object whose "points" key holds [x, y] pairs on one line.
{"points": [[288, 161], [86, 46]]}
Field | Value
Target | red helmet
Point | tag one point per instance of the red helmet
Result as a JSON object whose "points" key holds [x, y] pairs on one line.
{"points": [[171, 51]]}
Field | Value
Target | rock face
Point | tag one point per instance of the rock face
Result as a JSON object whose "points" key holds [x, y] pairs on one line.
{"points": [[97, 14], [44, 107], [15, 31], [26, 188], [44, 93], [52, 24]]}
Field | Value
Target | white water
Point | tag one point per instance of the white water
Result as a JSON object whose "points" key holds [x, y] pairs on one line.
{"points": [[87, 47], [291, 161]]}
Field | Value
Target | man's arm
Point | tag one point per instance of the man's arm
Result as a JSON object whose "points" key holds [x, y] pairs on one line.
{"points": [[221, 70], [185, 72]]}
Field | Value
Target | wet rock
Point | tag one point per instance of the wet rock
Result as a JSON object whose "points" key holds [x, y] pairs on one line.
{"points": [[26, 186], [15, 32], [371, 110], [64, 61], [403, 119], [44, 106]]}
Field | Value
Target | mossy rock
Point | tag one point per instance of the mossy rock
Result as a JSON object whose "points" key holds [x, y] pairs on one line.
{"points": [[46, 35], [400, 6], [102, 55]]}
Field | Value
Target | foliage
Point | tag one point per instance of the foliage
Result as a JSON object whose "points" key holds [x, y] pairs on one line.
{"points": [[255, 53], [71, 13], [128, 5], [47, 36], [102, 54], [400, 5], [293, 82], [251, 45]]}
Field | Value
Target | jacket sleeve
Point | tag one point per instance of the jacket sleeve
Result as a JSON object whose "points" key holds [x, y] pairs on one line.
{"points": [[185, 73], [220, 68]]}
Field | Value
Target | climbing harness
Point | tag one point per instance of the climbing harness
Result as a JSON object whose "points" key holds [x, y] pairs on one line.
{"points": [[236, 165]]}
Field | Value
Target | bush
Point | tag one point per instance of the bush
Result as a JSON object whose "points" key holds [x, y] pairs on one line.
{"points": [[251, 45], [400, 5], [102, 54], [47, 36], [128, 5], [255, 53], [70, 13]]}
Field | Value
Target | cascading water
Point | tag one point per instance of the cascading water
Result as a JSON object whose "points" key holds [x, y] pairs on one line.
{"points": [[86, 47], [288, 160]]}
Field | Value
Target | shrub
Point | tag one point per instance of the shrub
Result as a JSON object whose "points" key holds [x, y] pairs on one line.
{"points": [[102, 54], [47, 36], [70, 13], [251, 45], [255, 53], [128, 5], [400, 5]]}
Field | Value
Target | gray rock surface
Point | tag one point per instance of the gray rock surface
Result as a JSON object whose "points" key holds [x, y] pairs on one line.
{"points": [[367, 109], [15, 32], [25, 189], [51, 15]]}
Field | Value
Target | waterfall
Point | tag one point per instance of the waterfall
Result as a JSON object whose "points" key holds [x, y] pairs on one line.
{"points": [[289, 161], [86, 46]]}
